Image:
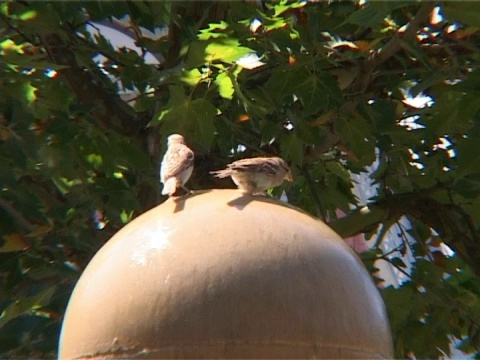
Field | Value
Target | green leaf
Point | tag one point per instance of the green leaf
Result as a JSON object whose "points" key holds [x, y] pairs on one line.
{"points": [[468, 186], [228, 51], [33, 61], [467, 157], [125, 216], [315, 91], [212, 31], [26, 305], [358, 221], [356, 133], [398, 262], [144, 103], [136, 76], [224, 50], [428, 81], [193, 118], [366, 16], [339, 170], [225, 85], [292, 148], [467, 13], [312, 95], [284, 5], [373, 13], [191, 77], [286, 81]]}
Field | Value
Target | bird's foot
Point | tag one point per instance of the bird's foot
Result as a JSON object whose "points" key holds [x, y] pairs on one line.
{"points": [[188, 192], [260, 193]]}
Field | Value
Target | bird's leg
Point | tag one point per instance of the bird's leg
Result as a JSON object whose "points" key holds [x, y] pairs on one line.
{"points": [[187, 190]]}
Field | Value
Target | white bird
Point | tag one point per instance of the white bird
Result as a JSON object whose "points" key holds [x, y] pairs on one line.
{"points": [[255, 175], [177, 165]]}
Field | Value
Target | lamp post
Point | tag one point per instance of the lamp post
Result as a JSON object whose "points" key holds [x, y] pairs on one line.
{"points": [[223, 275]]}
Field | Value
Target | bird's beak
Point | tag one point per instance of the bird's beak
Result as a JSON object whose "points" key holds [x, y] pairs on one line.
{"points": [[288, 176]]}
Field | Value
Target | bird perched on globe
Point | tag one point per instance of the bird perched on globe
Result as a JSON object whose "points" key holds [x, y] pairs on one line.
{"points": [[256, 175], [177, 165]]}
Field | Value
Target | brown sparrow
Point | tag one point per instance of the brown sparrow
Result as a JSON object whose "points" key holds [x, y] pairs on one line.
{"points": [[256, 175], [177, 165]]}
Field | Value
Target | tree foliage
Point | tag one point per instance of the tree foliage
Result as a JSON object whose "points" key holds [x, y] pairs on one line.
{"points": [[325, 85]]}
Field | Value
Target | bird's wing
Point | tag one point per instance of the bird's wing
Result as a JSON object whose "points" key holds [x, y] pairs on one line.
{"points": [[255, 165], [176, 159]]}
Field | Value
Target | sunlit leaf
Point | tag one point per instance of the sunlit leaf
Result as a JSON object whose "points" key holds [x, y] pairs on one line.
{"points": [[213, 31], [224, 50], [225, 85], [28, 15], [192, 77], [227, 51]]}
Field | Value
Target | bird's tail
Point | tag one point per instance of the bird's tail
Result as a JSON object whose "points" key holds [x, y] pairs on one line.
{"points": [[170, 186], [221, 173]]}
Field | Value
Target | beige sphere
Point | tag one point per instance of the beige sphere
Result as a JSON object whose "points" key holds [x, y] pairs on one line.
{"points": [[220, 274]]}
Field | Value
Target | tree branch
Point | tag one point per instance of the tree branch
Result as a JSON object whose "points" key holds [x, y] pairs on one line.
{"points": [[450, 221], [11, 28], [111, 112], [24, 223], [391, 48]]}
